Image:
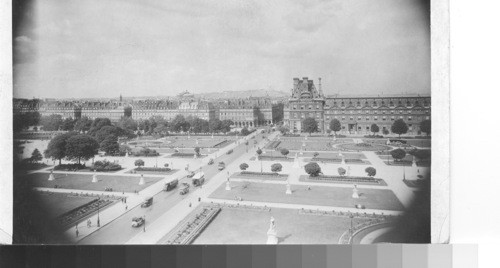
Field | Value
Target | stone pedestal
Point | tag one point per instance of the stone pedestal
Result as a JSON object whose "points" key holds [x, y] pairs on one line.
{"points": [[141, 181], [288, 189], [414, 163], [343, 161], [228, 186], [51, 176], [94, 178], [126, 154], [388, 142], [355, 193], [272, 235]]}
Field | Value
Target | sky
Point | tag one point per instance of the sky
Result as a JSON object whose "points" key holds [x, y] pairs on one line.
{"points": [[95, 48]]}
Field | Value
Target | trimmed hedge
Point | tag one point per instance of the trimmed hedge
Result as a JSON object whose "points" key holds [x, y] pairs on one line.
{"points": [[69, 167], [158, 169], [259, 173]]}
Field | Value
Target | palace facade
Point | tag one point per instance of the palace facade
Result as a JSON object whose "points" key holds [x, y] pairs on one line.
{"points": [[355, 113]]}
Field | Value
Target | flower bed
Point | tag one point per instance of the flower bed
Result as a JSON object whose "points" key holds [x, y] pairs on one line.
{"points": [[363, 147], [399, 163], [273, 144], [327, 160], [103, 166], [344, 179], [157, 169], [186, 155], [277, 158], [70, 167], [414, 183], [258, 175]]}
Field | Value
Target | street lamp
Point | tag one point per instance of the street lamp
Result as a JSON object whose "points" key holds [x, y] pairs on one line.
{"points": [[351, 229], [98, 208]]}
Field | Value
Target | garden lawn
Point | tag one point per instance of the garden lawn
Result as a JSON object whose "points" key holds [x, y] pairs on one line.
{"points": [[246, 226], [60, 203], [84, 182], [318, 195]]}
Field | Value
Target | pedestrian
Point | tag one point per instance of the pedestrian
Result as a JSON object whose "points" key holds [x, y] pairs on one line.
{"points": [[126, 207], [308, 187], [199, 199], [190, 204]]}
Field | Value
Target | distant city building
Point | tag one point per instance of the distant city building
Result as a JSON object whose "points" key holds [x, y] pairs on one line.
{"points": [[355, 113]]}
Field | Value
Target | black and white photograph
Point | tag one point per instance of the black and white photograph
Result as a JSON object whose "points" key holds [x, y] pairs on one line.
{"points": [[223, 122]]}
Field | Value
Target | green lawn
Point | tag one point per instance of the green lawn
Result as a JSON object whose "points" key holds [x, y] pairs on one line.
{"points": [[245, 226], [84, 182], [59, 203], [318, 195]]}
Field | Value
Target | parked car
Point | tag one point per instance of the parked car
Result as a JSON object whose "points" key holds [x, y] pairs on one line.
{"points": [[230, 151], [171, 185], [137, 221], [147, 202], [221, 166], [190, 175], [211, 161], [184, 188]]}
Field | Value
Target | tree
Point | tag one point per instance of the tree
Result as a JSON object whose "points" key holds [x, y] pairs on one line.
{"points": [[36, 156], [80, 147], [226, 125], [107, 131], [259, 151], [374, 128], [179, 124], [313, 169], [127, 112], [385, 131], [398, 154], [309, 125], [335, 125], [245, 131], [127, 123], [276, 167], [399, 127], [243, 166], [341, 171], [68, 124], [215, 125], [52, 122], [199, 125], [139, 163], [83, 124], [110, 145], [57, 146], [371, 171], [197, 150], [425, 126], [99, 123], [283, 130], [284, 152]]}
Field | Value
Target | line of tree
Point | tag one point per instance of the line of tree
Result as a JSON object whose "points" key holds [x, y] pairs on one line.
{"points": [[72, 146]]}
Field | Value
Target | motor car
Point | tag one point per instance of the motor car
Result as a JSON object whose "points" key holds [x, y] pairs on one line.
{"points": [[184, 188], [230, 151], [171, 185], [191, 174], [137, 221], [221, 165], [211, 161], [148, 201]]}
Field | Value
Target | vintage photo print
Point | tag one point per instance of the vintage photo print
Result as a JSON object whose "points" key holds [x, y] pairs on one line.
{"points": [[227, 122]]}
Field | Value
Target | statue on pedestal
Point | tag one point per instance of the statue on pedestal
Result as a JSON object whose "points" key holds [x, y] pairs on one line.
{"points": [[272, 238], [94, 177], [355, 193], [141, 181], [288, 188], [228, 185], [51, 176]]}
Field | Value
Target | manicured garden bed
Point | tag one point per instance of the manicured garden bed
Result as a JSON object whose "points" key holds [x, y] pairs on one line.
{"points": [[152, 170], [344, 180], [414, 183], [363, 147], [275, 158], [260, 176]]}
